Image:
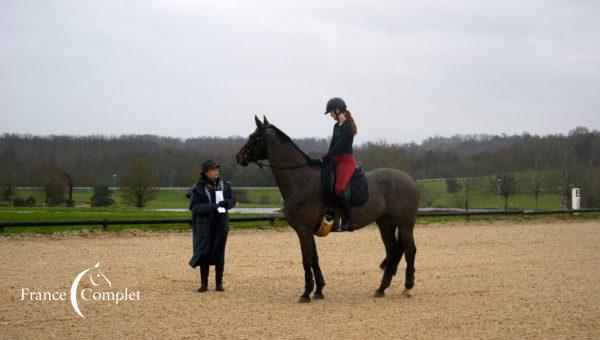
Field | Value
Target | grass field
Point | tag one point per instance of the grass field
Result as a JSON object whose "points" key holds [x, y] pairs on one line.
{"points": [[175, 199], [483, 198], [63, 213], [165, 198]]}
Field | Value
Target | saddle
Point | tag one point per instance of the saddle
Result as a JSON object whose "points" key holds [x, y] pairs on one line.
{"points": [[357, 189]]}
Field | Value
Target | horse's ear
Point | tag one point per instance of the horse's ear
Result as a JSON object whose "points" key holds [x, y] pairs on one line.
{"points": [[258, 123], [265, 121]]}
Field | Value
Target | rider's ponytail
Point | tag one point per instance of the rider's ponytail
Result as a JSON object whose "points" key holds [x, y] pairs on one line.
{"points": [[349, 117]]}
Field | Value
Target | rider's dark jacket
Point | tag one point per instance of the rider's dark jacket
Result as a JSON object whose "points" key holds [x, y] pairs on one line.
{"points": [[341, 142], [209, 227]]}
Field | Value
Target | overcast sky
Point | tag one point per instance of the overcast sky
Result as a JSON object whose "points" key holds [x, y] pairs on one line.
{"points": [[408, 70]]}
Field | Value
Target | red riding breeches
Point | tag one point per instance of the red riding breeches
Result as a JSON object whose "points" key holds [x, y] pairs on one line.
{"points": [[344, 168]]}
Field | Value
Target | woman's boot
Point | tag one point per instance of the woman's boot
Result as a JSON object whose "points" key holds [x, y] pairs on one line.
{"points": [[203, 278], [219, 277], [344, 203]]}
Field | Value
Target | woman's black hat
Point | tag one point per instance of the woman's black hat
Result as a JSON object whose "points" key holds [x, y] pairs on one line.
{"points": [[209, 164]]}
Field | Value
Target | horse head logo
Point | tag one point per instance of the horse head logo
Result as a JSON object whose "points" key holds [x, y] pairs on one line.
{"points": [[96, 277]]}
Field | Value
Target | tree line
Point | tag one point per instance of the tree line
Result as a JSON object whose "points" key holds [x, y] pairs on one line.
{"points": [[565, 160]]}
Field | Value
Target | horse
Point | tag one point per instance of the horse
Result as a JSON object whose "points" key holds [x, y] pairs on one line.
{"points": [[393, 204]]}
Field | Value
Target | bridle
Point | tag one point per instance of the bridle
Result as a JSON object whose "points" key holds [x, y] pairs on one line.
{"points": [[248, 158]]}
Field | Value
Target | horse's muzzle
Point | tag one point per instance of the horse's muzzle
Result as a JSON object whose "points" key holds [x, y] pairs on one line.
{"points": [[241, 158]]}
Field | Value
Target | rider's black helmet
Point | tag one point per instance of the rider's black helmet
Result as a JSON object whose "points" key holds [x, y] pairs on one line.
{"points": [[335, 103]]}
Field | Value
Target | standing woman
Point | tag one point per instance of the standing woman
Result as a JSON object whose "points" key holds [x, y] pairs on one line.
{"points": [[210, 199], [341, 155]]}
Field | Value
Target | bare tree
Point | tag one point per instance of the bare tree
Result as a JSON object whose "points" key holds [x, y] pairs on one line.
{"points": [[561, 180], [535, 181], [505, 185], [590, 186], [139, 180], [8, 187], [459, 199], [429, 194], [469, 186]]}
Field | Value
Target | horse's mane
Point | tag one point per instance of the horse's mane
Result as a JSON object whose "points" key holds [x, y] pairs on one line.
{"points": [[285, 138]]}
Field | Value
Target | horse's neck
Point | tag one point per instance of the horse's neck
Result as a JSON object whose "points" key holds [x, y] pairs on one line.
{"points": [[290, 181]]}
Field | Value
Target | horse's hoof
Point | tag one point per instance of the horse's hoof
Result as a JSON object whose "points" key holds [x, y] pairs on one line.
{"points": [[379, 293], [407, 293], [318, 296], [304, 299]]}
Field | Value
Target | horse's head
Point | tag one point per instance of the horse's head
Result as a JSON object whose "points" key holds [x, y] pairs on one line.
{"points": [[97, 277], [255, 148]]}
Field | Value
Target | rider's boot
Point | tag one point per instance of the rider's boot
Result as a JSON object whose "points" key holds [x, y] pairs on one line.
{"points": [[344, 203]]}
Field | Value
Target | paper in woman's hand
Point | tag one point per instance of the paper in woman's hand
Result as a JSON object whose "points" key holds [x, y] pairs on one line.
{"points": [[219, 199]]}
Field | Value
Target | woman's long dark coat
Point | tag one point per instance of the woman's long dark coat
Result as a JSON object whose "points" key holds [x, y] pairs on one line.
{"points": [[209, 227]]}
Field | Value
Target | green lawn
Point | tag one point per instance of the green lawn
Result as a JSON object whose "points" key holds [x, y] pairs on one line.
{"points": [[63, 213], [482, 198], [175, 198], [165, 198]]}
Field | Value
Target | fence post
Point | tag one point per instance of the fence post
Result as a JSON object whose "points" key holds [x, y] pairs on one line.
{"points": [[104, 225]]}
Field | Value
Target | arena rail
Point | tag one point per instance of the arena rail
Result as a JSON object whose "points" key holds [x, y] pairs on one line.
{"points": [[272, 218]]}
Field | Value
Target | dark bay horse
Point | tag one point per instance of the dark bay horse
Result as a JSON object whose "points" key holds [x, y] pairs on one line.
{"points": [[393, 204]]}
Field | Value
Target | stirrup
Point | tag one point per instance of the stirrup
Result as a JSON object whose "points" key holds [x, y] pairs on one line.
{"points": [[325, 227]]}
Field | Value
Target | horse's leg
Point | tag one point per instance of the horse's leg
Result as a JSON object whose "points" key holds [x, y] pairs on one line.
{"points": [[307, 246], [384, 263], [408, 242], [318, 275], [400, 248], [387, 228]]}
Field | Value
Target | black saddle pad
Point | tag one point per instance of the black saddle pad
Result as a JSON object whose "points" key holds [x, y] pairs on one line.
{"points": [[357, 189]]}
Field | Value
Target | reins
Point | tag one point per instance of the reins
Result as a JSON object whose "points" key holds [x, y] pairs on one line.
{"points": [[261, 164]]}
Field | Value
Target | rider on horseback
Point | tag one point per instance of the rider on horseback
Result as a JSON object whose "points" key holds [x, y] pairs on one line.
{"points": [[340, 154]]}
